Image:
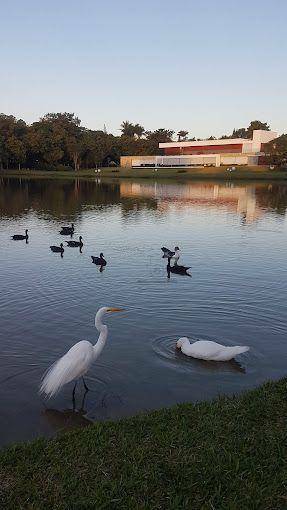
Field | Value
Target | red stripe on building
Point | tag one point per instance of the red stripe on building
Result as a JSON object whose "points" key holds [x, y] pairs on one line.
{"points": [[203, 149]]}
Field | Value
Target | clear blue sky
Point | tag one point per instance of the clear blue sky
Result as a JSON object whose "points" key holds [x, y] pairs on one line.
{"points": [[206, 65]]}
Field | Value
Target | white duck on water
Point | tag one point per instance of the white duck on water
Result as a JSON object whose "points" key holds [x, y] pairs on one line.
{"points": [[208, 350]]}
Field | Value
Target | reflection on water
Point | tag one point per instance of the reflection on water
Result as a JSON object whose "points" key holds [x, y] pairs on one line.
{"points": [[68, 418], [248, 201], [66, 199], [232, 235]]}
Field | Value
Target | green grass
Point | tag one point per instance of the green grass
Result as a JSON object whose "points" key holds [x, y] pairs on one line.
{"points": [[243, 172], [230, 454]]}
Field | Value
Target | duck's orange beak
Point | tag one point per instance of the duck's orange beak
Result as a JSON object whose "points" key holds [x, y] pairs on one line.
{"points": [[115, 309]]}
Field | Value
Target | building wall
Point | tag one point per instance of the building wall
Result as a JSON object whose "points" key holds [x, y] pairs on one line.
{"points": [[126, 161], [203, 149], [129, 161], [235, 145], [189, 160], [218, 152]]}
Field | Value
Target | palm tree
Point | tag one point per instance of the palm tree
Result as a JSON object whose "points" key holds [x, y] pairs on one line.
{"points": [[182, 135], [127, 128], [139, 130]]}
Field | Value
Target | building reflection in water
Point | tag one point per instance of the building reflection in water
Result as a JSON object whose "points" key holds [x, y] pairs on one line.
{"points": [[245, 200], [68, 198]]}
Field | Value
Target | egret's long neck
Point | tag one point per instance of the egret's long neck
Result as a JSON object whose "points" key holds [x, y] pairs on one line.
{"points": [[103, 330]]}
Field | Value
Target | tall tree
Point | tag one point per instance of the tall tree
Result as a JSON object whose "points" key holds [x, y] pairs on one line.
{"points": [[277, 150], [12, 140], [45, 148], [57, 139], [239, 133], [256, 124], [182, 135], [127, 128], [158, 136], [139, 130]]}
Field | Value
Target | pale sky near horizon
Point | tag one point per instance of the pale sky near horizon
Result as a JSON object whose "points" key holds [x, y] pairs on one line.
{"points": [[204, 66]]}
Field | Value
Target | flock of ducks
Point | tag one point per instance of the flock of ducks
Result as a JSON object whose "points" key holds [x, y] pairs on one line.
{"points": [[66, 231], [77, 361]]}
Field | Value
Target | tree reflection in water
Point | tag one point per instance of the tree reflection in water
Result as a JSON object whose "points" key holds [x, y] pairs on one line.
{"points": [[67, 198]]}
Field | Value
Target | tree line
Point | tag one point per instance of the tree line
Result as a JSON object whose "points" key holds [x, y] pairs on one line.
{"points": [[59, 141]]}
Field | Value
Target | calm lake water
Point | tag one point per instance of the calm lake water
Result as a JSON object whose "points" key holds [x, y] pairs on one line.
{"points": [[234, 237]]}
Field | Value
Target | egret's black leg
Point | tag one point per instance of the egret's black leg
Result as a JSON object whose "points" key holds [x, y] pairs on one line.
{"points": [[85, 386], [74, 400], [83, 402]]}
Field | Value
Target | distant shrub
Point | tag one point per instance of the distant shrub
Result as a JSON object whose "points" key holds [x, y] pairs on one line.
{"points": [[64, 168]]}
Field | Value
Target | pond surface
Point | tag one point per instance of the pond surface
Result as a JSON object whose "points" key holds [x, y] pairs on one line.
{"points": [[233, 236]]}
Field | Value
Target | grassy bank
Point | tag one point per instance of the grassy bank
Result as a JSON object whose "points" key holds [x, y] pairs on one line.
{"points": [[244, 173], [228, 454]]}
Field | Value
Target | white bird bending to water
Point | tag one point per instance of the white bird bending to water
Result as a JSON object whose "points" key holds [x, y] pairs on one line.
{"points": [[77, 361], [208, 350]]}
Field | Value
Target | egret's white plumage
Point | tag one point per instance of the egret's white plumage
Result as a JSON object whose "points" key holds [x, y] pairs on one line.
{"points": [[77, 361], [208, 350]]}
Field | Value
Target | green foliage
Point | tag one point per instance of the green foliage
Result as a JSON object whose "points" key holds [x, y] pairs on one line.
{"points": [[276, 150], [239, 133], [229, 454], [159, 136], [256, 124], [58, 140], [248, 132], [132, 130], [182, 135], [13, 146]]}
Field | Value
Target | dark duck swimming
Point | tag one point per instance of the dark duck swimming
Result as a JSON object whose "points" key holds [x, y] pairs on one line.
{"points": [[21, 237], [67, 231], [99, 261], [57, 249], [75, 244], [176, 269]]}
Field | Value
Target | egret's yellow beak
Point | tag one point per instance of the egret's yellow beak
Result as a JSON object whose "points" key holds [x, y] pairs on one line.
{"points": [[115, 309]]}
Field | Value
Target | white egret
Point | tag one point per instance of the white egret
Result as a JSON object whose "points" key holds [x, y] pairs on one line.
{"points": [[77, 361], [208, 350]]}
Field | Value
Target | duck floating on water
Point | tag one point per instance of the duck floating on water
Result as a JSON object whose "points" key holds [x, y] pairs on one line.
{"points": [[21, 237], [57, 249], [75, 244], [209, 350], [66, 231], [168, 254], [99, 261], [176, 269]]}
